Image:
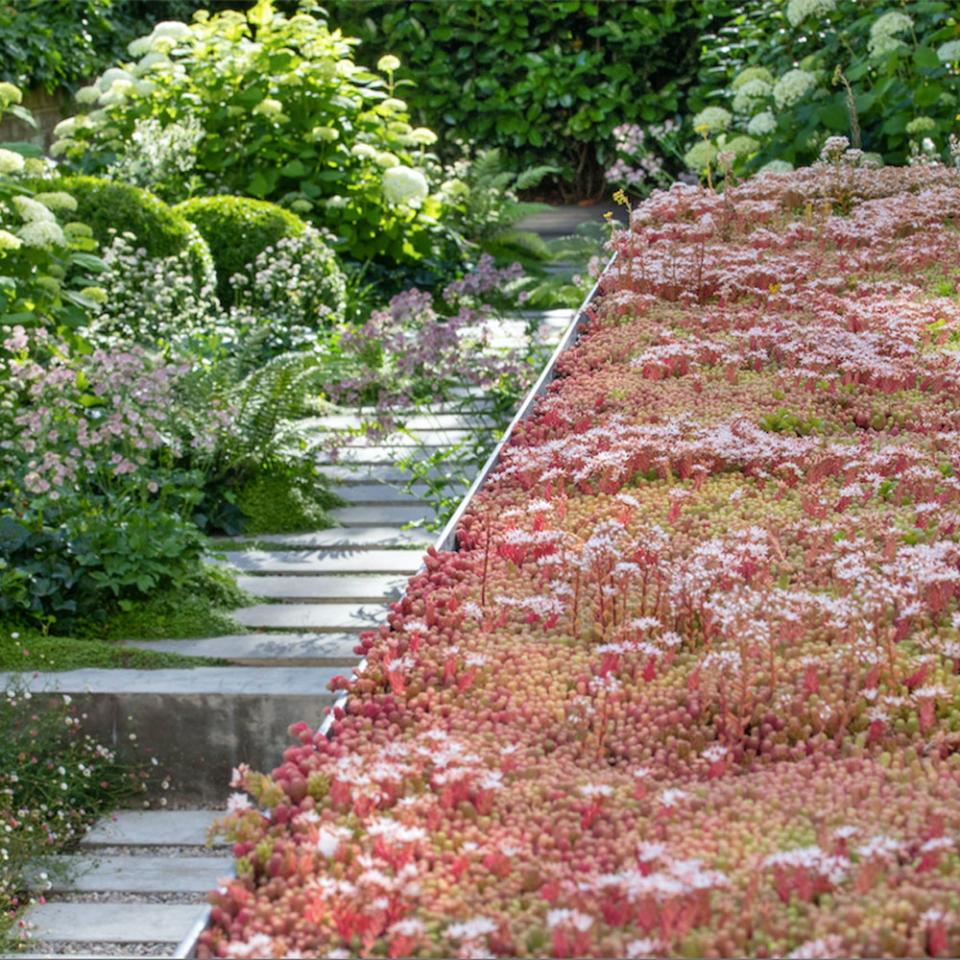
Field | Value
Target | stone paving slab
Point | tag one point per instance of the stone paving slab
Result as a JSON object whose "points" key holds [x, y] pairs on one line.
{"points": [[149, 828], [347, 473], [141, 874], [325, 589], [381, 454], [371, 515], [312, 562], [384, 493], [266, 649], [325, 617], [416, 421], [235, 681], [340, 538], [426, 437], [112, 922]]}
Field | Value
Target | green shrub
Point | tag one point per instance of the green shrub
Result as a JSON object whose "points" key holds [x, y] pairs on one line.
{"points": [[789, 75], [237, 229], [286, 499], [270, 107], [546, 82], [110, 208]]}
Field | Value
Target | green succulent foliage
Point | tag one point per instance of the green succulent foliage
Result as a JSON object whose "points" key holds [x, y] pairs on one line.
{"points": [[236, 230], [108, 207], [899, 59], [285, 116], [545, 82]]}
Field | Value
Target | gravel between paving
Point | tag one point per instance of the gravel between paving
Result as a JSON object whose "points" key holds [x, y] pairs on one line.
{"points": [[101, 949]]}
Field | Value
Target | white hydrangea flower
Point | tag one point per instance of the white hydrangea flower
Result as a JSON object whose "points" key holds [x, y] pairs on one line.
{"points": [[10, 162], [387, 160], [31, 211], [111, 76], [422, 136], [138, 47], [751, 95], [363, 150], [393, 105], [42, 233], [327, 134], [388, 63], [792, 87], [752, 73], [799, 10], [174, 29], [148, 61], [86, 95], [404, 185], [883, 33], [777, 166], [949, 52], [269, 107], [56, 200], [8, 241], [741, 146], [715, 119], [65, 128], [60, 147], [762, 124], [921, 125], [699, 155]]}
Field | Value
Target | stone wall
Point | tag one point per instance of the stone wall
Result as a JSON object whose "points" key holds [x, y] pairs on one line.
{"points": [[48, 110]]}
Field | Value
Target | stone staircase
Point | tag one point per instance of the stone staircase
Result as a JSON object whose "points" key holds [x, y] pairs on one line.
{"points": [[136, 886]]}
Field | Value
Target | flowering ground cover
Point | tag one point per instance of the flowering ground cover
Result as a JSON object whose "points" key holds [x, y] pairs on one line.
{"points": [[689, 686]]}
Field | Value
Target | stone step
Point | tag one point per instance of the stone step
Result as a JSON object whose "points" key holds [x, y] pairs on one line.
{"points": [[138, 874], [406, 442], [387, 453], [153, 828], [198, 723], [372, 515], [340, 538], [325, 589], [111, 922], [385, 494], [267, 649], [415, 421], [322, 617], [315, 562], [349, 473]]}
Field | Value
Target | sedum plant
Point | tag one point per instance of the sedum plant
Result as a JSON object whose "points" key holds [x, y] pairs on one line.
{"points": [[272, 107]]}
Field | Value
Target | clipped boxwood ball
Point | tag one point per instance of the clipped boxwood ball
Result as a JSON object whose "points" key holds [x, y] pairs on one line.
{"points": [[240, 230], [106, 206], [236, 230]]}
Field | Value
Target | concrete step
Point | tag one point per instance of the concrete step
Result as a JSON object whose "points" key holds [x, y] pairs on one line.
{"points": [[387, 453], [340, 538], [383, 494], [322, 617], [111, 922], [372, 515], [267, 649], [153, 828], [315, 562], [198, 723], [138, 874], [415, 421], [413, 440], [325, 589], [350, 473]]}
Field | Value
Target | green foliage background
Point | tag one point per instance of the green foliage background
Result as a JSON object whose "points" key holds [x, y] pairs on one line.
{"points": [[545, 81]]}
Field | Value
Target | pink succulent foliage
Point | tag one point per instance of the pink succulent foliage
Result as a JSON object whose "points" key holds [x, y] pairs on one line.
{"points": [[690, 684]]}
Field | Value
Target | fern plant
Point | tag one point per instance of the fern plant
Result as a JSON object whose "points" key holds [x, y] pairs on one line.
{"points": [[487, 206], [244, 434]]}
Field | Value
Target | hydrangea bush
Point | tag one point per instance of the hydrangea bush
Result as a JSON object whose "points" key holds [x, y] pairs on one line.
{"points": [[791, 75], [271, 107], [689, 686]]}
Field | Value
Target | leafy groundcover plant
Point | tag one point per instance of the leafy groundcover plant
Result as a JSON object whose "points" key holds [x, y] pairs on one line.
{"points": [[689, 686]]}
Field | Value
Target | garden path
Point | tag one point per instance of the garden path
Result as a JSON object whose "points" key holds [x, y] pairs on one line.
{"points": [[137, 885]]}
